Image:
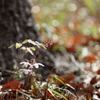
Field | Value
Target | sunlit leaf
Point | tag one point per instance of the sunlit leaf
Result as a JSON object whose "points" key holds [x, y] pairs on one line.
{"points": [[43, 46], [30, 51], [32, 48], [29, 41], [57, 93], [62, 80], [11, 46], [32, 42], [24, 42], [18, 45], [24, 49]]}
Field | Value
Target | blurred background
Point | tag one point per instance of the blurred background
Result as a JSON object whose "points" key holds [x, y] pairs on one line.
{"points": [[71, 25]]}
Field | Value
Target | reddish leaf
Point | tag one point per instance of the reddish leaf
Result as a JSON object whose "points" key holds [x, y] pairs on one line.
{"points": [[98, 72], [71, 97], [90, 89], [34, 91], [90, 58], [93, 80], [47, 95], [77, 85], [74, 41], [13, 85], [88, 96], [64, 78]]}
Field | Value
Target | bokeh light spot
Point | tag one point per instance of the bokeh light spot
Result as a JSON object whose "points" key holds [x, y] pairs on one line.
{"points": [[55, 23], [72, 7], [35, 9]]}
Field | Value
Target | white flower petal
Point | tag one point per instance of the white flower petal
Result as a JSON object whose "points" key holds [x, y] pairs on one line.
{"points": [[36, 65], [40, 64], [26, 64]]}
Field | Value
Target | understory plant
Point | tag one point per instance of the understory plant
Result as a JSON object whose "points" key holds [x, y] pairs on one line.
{"points": [[28, 66], [30, 85]]}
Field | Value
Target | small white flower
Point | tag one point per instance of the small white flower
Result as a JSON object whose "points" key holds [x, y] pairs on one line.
{"points": [[36, 65], [26, 71], [25, 64]]}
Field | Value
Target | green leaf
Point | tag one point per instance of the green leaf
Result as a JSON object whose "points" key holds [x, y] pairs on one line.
{"points": [[58, 79], [90, 5], [32, 87], [11, 46], [18, 45], [57, 93]]}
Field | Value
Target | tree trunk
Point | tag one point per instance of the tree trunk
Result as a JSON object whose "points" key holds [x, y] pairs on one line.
{"points": [[16, 25]]}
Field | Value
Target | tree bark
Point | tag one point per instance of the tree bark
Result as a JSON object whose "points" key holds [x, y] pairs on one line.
{"points": [[16, 25]]}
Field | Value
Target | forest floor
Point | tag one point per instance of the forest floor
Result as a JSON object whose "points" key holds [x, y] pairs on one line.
{"points": [[74, 80]]}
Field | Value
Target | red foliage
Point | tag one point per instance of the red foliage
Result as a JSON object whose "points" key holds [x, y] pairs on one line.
{"points": [[90, 58], [94, 80], [98, 72], [74, 41], [13, 85], [48, 95], [78, 40], [78, 91]]}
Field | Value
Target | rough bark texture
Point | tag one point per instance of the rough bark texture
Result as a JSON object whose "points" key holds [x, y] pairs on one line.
{"points": [[16, 25]]}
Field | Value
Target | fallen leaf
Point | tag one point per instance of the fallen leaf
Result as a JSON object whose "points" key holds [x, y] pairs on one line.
{"points": [[64, 79], [13, 85]]}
